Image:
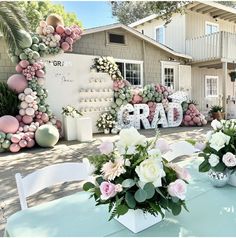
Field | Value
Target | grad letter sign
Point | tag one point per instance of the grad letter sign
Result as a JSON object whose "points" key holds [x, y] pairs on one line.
{"points": [[137, 114]]}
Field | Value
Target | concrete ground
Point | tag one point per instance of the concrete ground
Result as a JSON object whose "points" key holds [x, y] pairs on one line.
{"points": [[30, 160]]}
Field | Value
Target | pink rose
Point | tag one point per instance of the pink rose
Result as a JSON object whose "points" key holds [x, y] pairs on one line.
{"points": [[182, 173], [177, 189], [106, 147], [108, 190], [229, 159], [162, 145]]}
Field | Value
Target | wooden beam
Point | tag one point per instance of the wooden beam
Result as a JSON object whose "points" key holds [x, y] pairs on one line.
{"points": [[229, 17], [216, 12], [200, 5], [192, 5], [222, 15], [206, 10]]}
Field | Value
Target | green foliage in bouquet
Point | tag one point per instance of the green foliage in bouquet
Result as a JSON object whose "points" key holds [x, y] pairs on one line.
{"points": [[131, 174], [220, 147], [8, 101], [70, 111], [106, 121]]}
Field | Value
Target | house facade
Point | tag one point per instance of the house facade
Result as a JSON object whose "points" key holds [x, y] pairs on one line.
{"points": [[206, 32]]}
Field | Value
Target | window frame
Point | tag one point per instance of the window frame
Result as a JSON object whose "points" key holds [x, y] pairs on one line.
{"points": [[115, 33], [164, 34], [213, 24], [217, 86], [125, 61], [173, 65]]}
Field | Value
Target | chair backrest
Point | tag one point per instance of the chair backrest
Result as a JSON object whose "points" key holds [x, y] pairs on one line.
{"points": [[179, 148], [49, 176]]}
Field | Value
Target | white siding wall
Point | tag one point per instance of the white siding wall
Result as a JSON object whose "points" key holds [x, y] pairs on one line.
{"points": [[198, 87], [195, 24], [174, 31]]}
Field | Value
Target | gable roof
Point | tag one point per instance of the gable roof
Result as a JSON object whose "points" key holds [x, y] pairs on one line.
{"points": [[137, 34], [216, 10]]}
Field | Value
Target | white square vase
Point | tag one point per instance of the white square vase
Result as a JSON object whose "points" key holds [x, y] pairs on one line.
{"points": [[84, 129], [137, 220], [69, 125]]}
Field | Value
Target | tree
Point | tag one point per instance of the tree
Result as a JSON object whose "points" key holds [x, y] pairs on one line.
{"points": [[131, 11], [36, 11], [228, 3], [12, 20]]}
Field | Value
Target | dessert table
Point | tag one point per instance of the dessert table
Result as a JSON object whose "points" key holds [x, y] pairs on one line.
{"points": [[212, 212]]}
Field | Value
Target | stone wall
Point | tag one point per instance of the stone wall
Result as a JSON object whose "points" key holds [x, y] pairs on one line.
{"points": [[7, 68]]}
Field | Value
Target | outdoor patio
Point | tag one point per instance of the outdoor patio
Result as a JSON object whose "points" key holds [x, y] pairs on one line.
{"points": [[31, 160]]}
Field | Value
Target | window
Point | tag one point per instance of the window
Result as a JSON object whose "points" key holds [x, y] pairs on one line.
{"points": [[211, 86], [132, 71], [169, 77], [115, 38], [160, 34], [211, 28]]}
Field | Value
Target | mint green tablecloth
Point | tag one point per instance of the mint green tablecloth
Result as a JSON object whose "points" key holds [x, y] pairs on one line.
{"points": [[212, 213]]}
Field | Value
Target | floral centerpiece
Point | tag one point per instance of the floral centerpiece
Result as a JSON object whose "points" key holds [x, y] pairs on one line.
{"points": [[70, 111], [132, 175], [107, 65], [106, 122], [220, 149]]}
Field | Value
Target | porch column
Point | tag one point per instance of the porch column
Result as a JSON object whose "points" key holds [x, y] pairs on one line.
{"points": [[225, 76]]}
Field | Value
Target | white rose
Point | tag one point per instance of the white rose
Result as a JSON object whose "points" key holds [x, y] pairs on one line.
{"points": [[208, 135], [216, 125], [150, 171], [218, 140], [154, 153], [129, 138], [213, 160], [229, 159]]}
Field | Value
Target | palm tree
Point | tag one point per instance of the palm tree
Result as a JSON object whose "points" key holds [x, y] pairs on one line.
{"points": [[12, 19]]}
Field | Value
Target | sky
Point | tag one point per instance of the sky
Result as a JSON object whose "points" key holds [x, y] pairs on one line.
{"points": [[90, 13]]}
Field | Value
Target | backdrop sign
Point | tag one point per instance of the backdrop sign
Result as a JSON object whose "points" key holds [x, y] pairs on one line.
{"points": [[137, 114]]}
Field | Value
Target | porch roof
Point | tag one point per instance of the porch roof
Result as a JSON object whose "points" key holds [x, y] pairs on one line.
{"points": [[216, 10]]}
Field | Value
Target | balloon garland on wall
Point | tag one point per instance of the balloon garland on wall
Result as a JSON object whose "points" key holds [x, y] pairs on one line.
{"points": [[150, 94], [51, 37]]}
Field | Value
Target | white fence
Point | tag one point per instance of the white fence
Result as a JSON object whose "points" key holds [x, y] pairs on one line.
{"points": [[212, 46]]}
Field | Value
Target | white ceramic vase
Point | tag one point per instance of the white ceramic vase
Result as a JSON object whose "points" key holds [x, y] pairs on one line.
{"points": [[137, 220], [232, 178]]}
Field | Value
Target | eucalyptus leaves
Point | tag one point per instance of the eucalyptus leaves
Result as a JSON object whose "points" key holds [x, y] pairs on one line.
{"points": [[131, 174]]}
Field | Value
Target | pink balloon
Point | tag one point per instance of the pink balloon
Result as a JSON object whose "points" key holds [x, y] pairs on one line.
{"points": [[40, 73], [15, 138], [27, 119], [24, 63], [67, 30], [69, 40], [30, 143], [187, 118], [65, 46], [17, 82], [45, 117], [14, 148], [60, 29], [23, 143], [19, 117], [9, 124], [58, 124], [18, 68]]}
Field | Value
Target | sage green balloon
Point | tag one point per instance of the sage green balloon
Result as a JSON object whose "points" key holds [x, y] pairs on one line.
{"points": [[2, 135], [47, 136], [6, 144]]}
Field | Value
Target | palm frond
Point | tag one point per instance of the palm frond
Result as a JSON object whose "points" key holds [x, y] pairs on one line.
{"points": [[19, 14], [9, 26]]}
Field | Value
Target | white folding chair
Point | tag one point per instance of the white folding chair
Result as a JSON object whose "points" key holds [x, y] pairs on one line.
{"points": [[178, 149], [49, 176]]}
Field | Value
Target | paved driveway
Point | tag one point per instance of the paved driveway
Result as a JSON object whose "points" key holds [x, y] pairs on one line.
{"points": [[28, 161]]}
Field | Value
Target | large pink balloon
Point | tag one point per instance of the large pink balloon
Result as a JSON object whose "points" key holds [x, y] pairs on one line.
{"points": [[9, 124], [17, 82]]}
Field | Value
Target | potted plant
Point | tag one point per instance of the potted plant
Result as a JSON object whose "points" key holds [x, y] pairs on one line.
{"points": [[232, 76], [216, 112], [106, 122], [70, 114], [219, 153], [131, 177]]}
